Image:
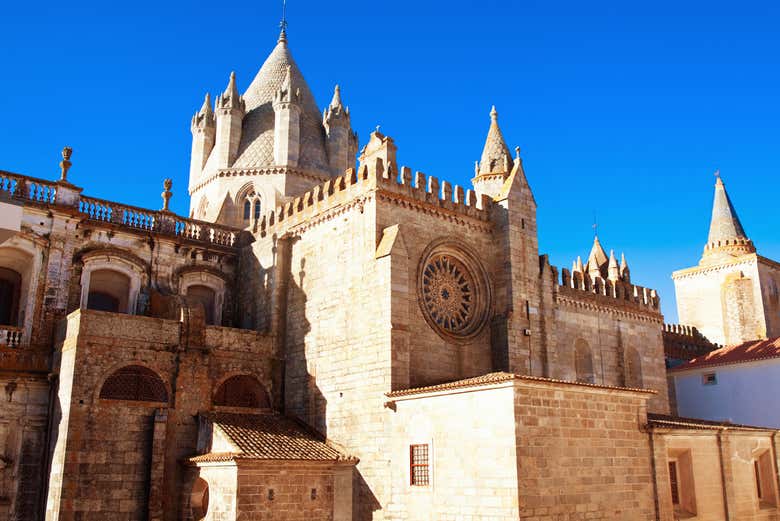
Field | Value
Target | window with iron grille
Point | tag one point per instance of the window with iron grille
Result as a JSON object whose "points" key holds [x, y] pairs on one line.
{"points": [[242, 391], [419, 473], [674, 483], [134, 383]]}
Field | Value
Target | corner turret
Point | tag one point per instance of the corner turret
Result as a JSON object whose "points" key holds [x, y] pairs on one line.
{"points": [[496, 162], [203, 129], [230, 114], [342, 142], [379, 147]]}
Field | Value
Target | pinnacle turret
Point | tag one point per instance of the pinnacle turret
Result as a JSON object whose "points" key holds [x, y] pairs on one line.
{"points": [[231, 99], [205, 116], [613, 271], [726, 237], [625, 273]]}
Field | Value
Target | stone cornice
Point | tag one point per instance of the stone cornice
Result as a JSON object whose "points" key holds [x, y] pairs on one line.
{"points": [[270, 170], [609, 305], [744, 260]]}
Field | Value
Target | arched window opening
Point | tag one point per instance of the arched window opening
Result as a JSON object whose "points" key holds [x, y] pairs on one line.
{"points": [[199, 499], [633, 369], [10, 292], [242, 391], [252, 206], [108, 291], [583, 362], [205, 296], [134, 383]]}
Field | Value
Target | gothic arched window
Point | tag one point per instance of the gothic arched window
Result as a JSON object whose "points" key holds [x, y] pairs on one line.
{"points": [[251, 206], [134, 383], [633, 368], [242, 391], [583, 362]]}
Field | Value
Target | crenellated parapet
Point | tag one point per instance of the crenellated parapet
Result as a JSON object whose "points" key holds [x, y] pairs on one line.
{"points": [[684, 342], [606, 292], [417, 191]]}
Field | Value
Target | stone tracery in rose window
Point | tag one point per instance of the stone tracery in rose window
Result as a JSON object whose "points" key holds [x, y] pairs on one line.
{"points": [[453, 291]]}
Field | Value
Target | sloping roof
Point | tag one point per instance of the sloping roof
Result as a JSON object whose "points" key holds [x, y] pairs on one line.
{"points": [[257, 135], [269, 437], [725, 224], [737, 354], [678, 422], [500, 377]]}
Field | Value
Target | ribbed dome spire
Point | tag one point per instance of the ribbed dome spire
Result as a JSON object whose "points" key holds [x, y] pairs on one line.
{"points": [[496, 158], [726, 232], [256, 148]]}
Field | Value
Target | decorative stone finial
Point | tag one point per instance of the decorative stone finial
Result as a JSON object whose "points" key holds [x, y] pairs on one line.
{"points": [[166, 195], [493, 113], [65, 164]]}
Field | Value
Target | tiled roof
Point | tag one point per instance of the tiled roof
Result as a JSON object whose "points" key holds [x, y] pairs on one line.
{"points": [[677, 422], [269, 437], [737, 354], [494, 378]]}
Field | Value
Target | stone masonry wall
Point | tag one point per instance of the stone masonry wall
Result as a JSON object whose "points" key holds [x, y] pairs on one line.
{"points": [[723, 480], [104, 447], [293, 492], [582, 453], [700, 296], [611, 333], [470, 435]]}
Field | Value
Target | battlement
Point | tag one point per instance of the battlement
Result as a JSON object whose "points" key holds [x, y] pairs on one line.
{"points": [[425, 190], [30, 190], [618, 291], [684, 342]]}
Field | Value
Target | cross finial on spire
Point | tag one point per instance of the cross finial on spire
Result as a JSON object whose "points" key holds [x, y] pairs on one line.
{"points": [[283, 23]]}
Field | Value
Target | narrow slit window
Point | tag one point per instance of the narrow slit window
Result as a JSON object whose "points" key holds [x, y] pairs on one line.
{"points": [[419, 467], [674, 483], [247, 210], [257, 209]]}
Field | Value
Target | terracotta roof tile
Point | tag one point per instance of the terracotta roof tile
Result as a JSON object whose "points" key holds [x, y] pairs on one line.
{"points": [[737, 354], [269, 437], [494, 378], [664, 420]]}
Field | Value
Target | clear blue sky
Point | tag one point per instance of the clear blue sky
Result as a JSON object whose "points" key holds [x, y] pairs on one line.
{"points": [[622, 109]]}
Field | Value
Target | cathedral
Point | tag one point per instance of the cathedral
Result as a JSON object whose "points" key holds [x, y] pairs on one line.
{"points": [[332, 336]]}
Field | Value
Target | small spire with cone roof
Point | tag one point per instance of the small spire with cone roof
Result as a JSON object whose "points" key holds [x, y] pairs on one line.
{"points": [[625, 273], [496, 158], [726, 236], [613, 272]]}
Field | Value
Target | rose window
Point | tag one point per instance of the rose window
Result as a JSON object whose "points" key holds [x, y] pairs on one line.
{"points": [[453, 292]]}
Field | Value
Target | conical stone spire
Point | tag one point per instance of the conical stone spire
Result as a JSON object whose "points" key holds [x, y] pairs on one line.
{"points": [[597, 258], [726, 233], [496, 158], [613, 271]]}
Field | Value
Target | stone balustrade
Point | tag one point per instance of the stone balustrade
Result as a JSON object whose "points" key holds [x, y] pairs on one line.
{"points": [[38, 191], [10, 336]]}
